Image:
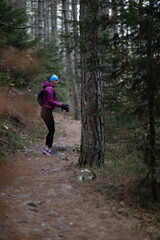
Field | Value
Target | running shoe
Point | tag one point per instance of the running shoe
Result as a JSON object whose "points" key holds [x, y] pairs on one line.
{"points": [[45, 151], [51, 153]]}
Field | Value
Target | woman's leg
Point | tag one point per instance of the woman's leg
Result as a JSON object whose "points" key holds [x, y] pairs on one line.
{"points": [[47, 116]]}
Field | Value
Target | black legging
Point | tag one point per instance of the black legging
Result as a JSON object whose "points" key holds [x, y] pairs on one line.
{"points": [[47, 116]]}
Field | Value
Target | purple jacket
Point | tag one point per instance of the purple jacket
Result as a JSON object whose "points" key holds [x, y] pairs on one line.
{"points": [[49, 96]]}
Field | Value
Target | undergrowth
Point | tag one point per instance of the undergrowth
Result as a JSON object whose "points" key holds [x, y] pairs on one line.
{"points": [[15, 133], [125, 160], [127, 183], [127, 175], [9, 139]]}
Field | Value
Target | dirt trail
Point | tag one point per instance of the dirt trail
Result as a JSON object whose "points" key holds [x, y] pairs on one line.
{"points": [[42, 199]]}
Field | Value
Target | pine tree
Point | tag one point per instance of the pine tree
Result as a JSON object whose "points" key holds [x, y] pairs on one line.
{"points": [[92, 134], [69, 57], [134, 71], [13, 21], [15, 62]]}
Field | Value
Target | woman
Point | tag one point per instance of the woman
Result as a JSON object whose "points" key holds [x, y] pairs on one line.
{"points": [[49, 98]]}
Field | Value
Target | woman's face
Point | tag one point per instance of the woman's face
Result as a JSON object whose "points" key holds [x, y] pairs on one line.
{"points": [[54, 82]]}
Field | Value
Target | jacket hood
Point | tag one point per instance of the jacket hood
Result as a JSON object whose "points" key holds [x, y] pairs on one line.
{"points": [[47, 84]]}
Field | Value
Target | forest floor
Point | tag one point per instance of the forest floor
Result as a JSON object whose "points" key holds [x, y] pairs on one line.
{"points": [[43, 198]]}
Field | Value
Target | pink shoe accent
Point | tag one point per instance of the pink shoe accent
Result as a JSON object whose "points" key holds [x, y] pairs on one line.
{"points": [[45, 151], [49, 154]]}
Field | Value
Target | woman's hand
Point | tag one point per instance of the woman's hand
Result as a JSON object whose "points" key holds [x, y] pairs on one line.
{"points": [[65, 107]]}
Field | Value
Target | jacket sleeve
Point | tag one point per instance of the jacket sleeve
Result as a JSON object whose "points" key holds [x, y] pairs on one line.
{"points": [[50, 99]]}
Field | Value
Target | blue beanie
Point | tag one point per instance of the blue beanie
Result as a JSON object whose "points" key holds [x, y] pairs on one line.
{"points": [[53, 78]]}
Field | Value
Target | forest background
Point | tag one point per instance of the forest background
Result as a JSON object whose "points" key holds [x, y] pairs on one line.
{"points": [[107, 57]]}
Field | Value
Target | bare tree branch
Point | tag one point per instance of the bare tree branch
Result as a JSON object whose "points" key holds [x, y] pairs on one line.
{"points": [[4, 24]]}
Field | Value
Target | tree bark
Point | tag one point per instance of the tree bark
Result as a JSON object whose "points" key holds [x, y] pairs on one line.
{"points": [[32, 18], [40, 19], [54, 20], [46, 21], [69, 56], [36, 18], [21, 4], [92, 133], [151, 107], [76, 42]]}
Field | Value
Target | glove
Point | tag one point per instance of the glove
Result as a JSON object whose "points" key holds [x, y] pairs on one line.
{"points": [[65, 107]]}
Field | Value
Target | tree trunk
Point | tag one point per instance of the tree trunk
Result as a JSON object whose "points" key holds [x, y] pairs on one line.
{"points": [[114, 15], [36, 18], [40, 19], [151, 106], [54, 20], [154, 183], [32, 19], [92, 133], [69, 56], [105, 8], [46, 21], [76, 44]]}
